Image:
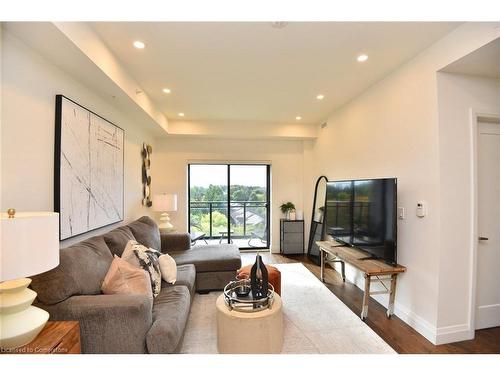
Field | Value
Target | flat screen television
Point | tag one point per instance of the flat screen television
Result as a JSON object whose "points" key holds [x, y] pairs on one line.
{"points": [[362, 214]]}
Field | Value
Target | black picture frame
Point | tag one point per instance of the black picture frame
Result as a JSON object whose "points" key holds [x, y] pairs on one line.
{"points": [[58, 147]]}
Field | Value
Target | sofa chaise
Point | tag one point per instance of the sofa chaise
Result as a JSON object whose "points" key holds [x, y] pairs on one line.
{"points": [[122, 323]]}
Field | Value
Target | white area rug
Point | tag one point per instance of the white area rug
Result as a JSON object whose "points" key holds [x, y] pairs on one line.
{"points": [[315, 320]]}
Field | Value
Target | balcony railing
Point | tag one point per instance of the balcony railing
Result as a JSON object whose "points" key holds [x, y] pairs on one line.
{"points": [[210, 217]]}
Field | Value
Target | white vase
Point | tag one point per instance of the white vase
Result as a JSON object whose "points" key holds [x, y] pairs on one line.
{"points": [[299, 215]]}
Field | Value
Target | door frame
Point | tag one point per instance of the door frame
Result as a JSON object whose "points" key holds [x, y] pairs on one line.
{"points": [[476, 116], [268, 166]]}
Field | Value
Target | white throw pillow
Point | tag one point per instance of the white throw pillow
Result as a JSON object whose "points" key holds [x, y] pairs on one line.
{"points": [[168, 268]]}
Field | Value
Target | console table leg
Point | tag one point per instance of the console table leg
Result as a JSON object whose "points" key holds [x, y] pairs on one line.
{"points": [[322, 261], [366, 298], [342, 265], [392, 295]]}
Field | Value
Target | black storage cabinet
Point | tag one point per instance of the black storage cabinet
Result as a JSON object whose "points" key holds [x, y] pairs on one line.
{"points": [[291, 236]]}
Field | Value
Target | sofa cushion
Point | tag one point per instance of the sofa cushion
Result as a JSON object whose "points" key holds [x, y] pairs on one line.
{"points": [[186, 275], [168, 268], [81, 270], [174, 242], [124, 278], [146, 232], [116, 323], [210, 258], [117, 239], [170, 313]]}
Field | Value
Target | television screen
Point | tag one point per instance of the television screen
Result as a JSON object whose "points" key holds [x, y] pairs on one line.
{"points": [[362, 213], [338, 210]]}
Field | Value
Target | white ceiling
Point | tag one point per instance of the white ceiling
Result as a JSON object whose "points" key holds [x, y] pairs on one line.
{"points": [[254, 72], [484, 62]]}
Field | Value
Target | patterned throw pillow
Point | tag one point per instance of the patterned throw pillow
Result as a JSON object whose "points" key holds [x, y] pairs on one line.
{"points": [[139, 255]]}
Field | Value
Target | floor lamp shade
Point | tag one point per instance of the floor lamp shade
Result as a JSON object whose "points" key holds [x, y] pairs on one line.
{"points": [[30, 245]]}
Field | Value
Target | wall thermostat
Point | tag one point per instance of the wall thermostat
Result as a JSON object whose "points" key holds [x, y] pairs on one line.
{"points": [[421, 209]]}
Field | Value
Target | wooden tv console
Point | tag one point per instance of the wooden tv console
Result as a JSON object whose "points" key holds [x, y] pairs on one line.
{"points": [[370, 267]]}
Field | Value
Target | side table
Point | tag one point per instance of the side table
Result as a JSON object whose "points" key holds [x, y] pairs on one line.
{"points": [[57, 337]]}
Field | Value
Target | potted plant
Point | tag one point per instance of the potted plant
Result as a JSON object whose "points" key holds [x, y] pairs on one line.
{"points": [[287, 208]]}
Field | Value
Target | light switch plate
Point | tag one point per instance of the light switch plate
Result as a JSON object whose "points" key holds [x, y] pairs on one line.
{"points": [[401, 213]]}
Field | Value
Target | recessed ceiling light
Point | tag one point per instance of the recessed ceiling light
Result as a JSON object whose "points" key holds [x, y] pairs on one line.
{"points": [[181, 114], [139, 45], [166, 91], [320, 97], [362, 58], [298, 118]]}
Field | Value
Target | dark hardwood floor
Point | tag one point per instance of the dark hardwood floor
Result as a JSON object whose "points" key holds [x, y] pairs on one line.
{"points": [[399, 335]]}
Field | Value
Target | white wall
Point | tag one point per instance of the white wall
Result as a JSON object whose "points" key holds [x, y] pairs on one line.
{"points": [[392, 129], [171, 157], [457, 96], [29, 86]]}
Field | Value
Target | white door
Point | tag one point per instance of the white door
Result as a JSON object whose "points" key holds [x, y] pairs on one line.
{"points": [[488, 249]]}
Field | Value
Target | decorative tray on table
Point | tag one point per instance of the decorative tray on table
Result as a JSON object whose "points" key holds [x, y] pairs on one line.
{"points": [[238, 296]]}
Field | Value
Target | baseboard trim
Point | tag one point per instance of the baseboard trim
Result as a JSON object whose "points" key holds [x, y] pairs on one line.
{"points": [[459, 332], [415, 321]]}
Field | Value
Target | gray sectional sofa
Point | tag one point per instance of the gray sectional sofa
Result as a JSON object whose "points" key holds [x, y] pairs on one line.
{"points": [[131, 323]]}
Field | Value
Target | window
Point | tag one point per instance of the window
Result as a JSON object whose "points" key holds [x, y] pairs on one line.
{"points": [[229, 203]]}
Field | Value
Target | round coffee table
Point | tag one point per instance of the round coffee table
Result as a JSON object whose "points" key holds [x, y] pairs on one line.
{"points": [[249, 332]]}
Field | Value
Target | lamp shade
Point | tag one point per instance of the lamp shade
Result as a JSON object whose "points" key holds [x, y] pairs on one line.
{"points": [[30, 244], [165, 202]]}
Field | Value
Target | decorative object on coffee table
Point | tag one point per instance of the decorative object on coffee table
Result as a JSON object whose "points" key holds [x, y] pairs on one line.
{"points": [[147, 150], [238, 296], [30, 245], [88, 169], [258, 278], [165, 203], [274, 276]]}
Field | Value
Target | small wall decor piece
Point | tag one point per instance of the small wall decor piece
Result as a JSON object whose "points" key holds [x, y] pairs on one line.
{"points": [[88, 170], [147, 150]]}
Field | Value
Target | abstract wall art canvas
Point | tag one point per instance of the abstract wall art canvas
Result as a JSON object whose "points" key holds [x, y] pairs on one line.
{"points": [[89, 158]]}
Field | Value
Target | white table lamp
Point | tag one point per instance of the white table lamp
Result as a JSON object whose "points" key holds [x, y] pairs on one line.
{"points": [[30, 245], [165, 203]]}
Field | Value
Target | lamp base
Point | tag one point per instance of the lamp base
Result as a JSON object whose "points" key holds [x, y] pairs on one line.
{"points": [[165, 224], [20, 321]]}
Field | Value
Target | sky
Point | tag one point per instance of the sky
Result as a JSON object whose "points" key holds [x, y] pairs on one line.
{"points": [[248, 175]]}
